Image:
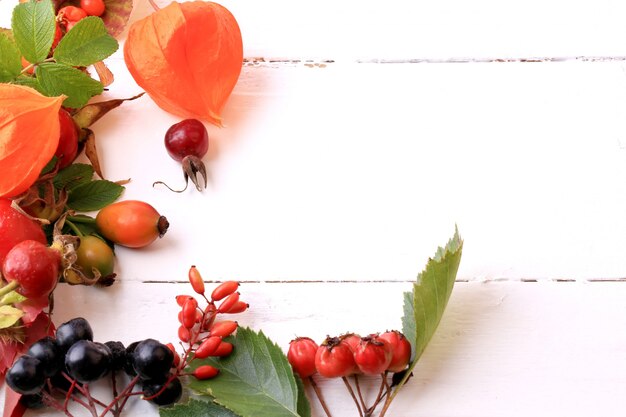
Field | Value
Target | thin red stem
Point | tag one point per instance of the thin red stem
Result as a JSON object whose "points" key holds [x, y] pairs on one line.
{"points": [[318, 393], [351, 391]]}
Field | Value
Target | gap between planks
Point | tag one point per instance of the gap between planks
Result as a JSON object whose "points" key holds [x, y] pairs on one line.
{"points": [[481, 281], [322, 63]]}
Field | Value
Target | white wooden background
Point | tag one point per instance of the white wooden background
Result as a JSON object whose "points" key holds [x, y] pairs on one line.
{"points": [[358, 135]]}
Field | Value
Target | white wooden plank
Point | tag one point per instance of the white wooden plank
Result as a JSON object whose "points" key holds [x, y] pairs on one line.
{"points": [[421, 29], [502, 348], [358, 172]]}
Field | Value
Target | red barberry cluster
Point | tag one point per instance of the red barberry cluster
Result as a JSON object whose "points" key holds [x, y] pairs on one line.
{"points": [[352, 355], [200, 333]]}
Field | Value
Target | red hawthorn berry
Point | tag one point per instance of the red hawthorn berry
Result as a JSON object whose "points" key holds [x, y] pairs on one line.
{"points": [[401, 349], [334, 359], [301, 356], [373, 355]]}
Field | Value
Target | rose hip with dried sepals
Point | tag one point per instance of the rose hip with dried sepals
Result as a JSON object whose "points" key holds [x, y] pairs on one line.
{"points": [[187, 142]]}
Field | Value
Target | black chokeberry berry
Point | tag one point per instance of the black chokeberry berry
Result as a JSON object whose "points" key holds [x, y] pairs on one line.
{"points": [[72, 331], [50, 355], [128, 364], [87, 361], [170, 395], [26, 375], [118, 355], [152, 360], [32, 401]]}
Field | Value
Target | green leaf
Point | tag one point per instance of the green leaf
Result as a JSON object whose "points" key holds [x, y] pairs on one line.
{"points": [[33, 28], [304, 408], [9, 316], [196, 408], [12, 298], [28, 81], [57, 79], [49, 166], [85, 224], [73, 176], [86, 43], [11, 63], [256, 380], [424, 306], [94, 195]]}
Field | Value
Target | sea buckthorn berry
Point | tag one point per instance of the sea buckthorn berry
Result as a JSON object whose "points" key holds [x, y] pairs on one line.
{"points": [[189, 313], [224, 290], [224, 349], [238, 307], [334, 359], [373, 355], [223, 328], [228, 303], [183, 334], [301, 356], [195, 279], [206, 372], [401, 348], [208, 347]]}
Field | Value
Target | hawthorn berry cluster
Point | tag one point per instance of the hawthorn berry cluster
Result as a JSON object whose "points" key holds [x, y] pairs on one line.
{"points": [[58, 370], [351, 355]]}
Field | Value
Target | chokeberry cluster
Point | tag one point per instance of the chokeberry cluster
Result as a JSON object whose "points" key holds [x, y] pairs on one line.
{"points": [[351, 355], [58, 370]]}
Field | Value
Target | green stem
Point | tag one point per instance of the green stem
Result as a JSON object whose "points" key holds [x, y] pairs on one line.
{"points": [[82, 219], [8, 288], [31, 66], [74, 228]]}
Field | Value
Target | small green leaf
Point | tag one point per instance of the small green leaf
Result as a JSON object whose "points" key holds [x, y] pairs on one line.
{"points": [[49, 166], [73, 176], [94, 195], [11, 63], [196, 408], [424, 306], [85, 224], [256, 380], [12, 298], [86, 43], [28, 81], [33, 28], [9, 316], [57, 79], [304, 407]]}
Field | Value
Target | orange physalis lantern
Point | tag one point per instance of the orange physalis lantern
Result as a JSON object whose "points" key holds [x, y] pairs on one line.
{"points": [[187, 57], [29, 135]]}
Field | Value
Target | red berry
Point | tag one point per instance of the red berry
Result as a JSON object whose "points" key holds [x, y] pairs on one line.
{"points": [[401, 349], [195, 279], [68, 141], [301, 356], [183, 334], [373, 355], [181, 299], [58, 34], [352, 340], [208, 347], [238, 307], [224, 349], [34, 266], [205, 372], [228, 303], [93, 7], [224, 290], [189, 313], [15, 228], [334, 359], [185, 138], [223, 328], [71, 14]]}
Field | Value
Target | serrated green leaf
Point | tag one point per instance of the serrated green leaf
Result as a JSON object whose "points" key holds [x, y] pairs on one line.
{"points": [[11, 63], [304, 407], [33, 29], [94, 195], [9, 316], [73, 176], [256, 380], [28, 81], [57, 79], [196, 408], [424, 306], [86, 43], [8, 33]]}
